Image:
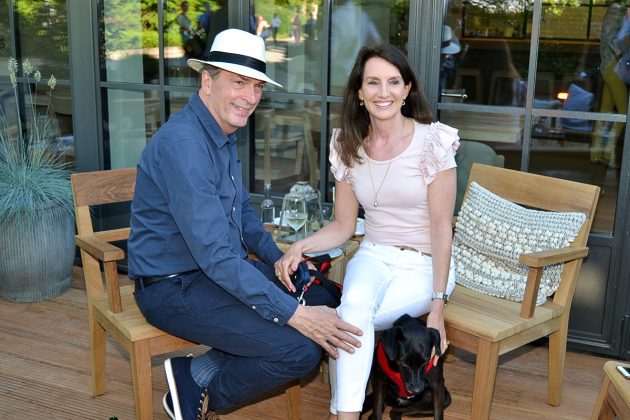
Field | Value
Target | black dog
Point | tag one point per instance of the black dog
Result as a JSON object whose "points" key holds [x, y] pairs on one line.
{"points": [[403, 374]]}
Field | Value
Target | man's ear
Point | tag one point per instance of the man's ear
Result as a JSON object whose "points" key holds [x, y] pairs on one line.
{"points": [[206, 82], [391, 338], [435, 341]]}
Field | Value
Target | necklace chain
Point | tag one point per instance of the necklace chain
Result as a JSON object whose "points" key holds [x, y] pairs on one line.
{"points": [[382, 181], [377, 191]]}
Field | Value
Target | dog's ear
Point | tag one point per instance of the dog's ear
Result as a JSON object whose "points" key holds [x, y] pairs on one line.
{"points": [[390, 339], [435, 341]]}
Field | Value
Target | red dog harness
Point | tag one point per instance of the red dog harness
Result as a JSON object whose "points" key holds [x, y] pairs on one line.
{"points": [[395, 375]]}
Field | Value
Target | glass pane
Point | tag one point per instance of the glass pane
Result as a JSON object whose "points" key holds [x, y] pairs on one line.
{"points": [[129, 41], [293, 41], [130, 119], [42, 30], [567, 58], [51, 111], [503, 129], [175, 101], [584, 151], [334, 111], [5, 37], [485, 52], [189, 29], [362, 22], [285, 150]]}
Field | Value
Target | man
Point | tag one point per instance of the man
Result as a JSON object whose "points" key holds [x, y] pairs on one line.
{"points": [[192, 227], [275, 27]]}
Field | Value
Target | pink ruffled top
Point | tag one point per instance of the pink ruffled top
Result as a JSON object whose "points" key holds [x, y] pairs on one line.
{"points": [[402, 215]]}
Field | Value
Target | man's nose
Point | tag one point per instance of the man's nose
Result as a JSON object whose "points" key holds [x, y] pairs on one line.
{"points": [[251, 94]]}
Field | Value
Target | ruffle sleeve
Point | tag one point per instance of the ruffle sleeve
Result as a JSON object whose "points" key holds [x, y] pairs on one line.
{"points": [[339, 170], [438, 153]]}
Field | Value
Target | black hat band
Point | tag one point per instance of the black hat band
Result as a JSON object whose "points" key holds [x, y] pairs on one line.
{"points": [[241, 60]]}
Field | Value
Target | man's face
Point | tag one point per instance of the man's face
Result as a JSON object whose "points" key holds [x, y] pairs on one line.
{"points": [[230, 98]]}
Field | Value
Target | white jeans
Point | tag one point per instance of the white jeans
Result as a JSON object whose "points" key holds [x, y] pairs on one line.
{"points": [[381, 284]]}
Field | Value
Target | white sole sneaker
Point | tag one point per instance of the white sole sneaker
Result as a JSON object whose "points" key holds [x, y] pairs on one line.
{"points": [[167, 407], [172, 387]]}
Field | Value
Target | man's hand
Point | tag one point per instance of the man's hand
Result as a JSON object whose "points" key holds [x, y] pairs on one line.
{"points": [[322, 325]]}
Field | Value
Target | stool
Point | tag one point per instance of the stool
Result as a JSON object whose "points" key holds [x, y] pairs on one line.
{"points": [[614, 395]]}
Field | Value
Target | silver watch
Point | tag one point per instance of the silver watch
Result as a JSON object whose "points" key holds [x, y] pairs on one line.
{"points": [[440, 295]]}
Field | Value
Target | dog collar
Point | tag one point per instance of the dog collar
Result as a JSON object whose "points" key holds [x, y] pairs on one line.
{"points": [[394, 375]]}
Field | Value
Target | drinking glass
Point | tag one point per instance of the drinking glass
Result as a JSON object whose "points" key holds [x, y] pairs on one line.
{"points": [[295, 212]]}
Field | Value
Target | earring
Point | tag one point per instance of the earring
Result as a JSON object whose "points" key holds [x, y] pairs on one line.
{"points": [[361, 103], [403, 103]]}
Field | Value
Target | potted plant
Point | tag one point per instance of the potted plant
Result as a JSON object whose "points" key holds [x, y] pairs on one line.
{"points": [[36, 208]]}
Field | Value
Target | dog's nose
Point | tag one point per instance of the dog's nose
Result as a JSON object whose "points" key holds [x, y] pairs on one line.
{"points": [[415, 388]]}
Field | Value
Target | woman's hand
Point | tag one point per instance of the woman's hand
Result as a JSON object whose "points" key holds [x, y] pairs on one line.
{"points": [[435, 319], [287, 264]]}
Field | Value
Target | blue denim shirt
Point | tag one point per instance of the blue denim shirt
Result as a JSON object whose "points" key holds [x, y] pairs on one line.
{"points": [[191, 211]]}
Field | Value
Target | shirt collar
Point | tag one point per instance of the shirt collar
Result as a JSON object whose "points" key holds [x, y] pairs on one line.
{"points": [[209, 123]]}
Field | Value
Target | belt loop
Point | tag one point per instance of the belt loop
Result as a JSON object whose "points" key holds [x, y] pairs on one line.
{"points": [[139, 284]]}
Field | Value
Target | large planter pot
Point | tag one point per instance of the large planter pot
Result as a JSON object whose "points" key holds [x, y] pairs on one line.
{"points": [[37, 258]]}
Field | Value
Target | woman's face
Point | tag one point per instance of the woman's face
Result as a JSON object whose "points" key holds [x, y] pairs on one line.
{"points": [[383, 89]]}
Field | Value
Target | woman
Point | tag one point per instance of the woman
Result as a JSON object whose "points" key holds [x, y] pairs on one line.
{"points": [[389, 157]]}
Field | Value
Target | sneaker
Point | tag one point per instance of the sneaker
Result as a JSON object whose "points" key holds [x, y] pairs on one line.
{"points": [[167, 403], [187, 400]]}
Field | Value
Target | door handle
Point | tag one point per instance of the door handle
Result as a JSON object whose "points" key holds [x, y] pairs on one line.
{"points": [[462, 96]]}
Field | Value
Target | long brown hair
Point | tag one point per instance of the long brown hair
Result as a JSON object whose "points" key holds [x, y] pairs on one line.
{"points": [[355, 120]]}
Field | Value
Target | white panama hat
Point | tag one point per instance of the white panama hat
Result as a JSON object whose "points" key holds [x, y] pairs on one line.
{"points": [[239, 52], [450, 43]]}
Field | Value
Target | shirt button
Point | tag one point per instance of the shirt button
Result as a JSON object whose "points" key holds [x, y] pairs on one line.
{"points": [[254, 307], [234, 209], [232, 176], [275, 320]]}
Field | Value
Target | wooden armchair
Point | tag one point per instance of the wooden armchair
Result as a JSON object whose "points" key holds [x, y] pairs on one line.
{"points": [[113, 308], [489, 326]]}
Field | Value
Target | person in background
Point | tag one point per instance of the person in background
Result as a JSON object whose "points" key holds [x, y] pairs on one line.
{"points": [[192, 229], [185, 29], [613, 44], [262, 27], [275, 27], [296, 25], [391, 159]]}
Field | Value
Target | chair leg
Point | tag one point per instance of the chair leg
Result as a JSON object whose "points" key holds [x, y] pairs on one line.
{"points": [[97, 354], [140, 356], [557, 353], [485, 375], [293, 394], [602, 408]]}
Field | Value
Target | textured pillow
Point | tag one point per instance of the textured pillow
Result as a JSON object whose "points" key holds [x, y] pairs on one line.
{"points": [[491, 234]]}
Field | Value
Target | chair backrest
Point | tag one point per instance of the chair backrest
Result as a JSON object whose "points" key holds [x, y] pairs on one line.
{"points": [[99, 188], [470, 152], [544, 193]]}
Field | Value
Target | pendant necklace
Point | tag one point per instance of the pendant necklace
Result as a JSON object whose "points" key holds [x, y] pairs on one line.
{"points": [[376, 191]]}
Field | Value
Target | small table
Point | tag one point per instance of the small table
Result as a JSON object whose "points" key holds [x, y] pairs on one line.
{"points": [[614, 395]]}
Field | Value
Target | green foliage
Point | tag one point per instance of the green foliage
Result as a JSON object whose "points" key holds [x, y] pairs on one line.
{"points": [[32, 176]]}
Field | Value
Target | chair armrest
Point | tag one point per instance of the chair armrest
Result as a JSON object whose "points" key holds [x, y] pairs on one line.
{"points": [[537, 261], [553, 256], [112, 235], [98, 248]]}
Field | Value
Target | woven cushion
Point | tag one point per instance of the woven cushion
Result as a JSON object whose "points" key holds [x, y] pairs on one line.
{"points": [[492, 233]]}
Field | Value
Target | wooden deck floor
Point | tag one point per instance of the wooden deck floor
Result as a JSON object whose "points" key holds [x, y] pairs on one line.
{"points": [[44, 374]]}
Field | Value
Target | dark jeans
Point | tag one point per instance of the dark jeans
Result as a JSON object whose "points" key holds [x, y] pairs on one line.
{"points": [[258, 354]]}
